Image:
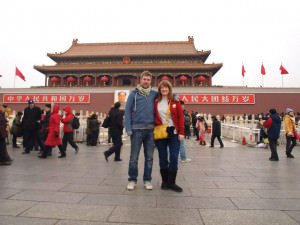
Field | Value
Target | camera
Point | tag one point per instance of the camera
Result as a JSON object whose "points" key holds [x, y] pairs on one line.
{"points": [[170, 131]]}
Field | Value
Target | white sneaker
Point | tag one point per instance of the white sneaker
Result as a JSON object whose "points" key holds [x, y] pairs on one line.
{"points": [[148, 185], [131, 186], [186, 161]]}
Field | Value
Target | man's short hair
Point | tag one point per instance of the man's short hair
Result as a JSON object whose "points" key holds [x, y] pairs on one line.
{"points": [[146, 73]]}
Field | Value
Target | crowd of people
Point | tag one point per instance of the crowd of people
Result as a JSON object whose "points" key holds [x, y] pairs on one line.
{"points": [[40, 130]]}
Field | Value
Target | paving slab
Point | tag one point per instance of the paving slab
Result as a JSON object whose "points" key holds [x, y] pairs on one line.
{"points": [[14, 207], [17, 220], [156, 216], [69, 211], [245, 217]]}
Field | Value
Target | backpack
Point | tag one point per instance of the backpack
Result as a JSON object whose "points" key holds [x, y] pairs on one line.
{"points": [[187, 121], [106, 122], [75, 123]]}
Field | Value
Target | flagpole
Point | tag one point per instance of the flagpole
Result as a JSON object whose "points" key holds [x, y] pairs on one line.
{"points": [[15, 78], [281, 80], [262, 79]]}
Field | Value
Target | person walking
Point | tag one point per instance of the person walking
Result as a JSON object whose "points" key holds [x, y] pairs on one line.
{"points": [[216, 132], [116, 124], [202, 127], [169, 111], [139, 124], [290, 132], [68, 136], [16, 129], [53, 130], [5, 159], [273, 125], [182, 148]]}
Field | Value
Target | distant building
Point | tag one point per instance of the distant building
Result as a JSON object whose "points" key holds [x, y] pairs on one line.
{"points": [[120, 64]]}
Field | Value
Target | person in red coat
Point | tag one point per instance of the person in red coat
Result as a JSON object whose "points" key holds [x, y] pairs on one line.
{"points": [[68, 132], [169, 111], [53, 137]]}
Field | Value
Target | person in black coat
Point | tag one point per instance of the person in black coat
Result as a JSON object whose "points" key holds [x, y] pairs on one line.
{"points": [[31, 125], [116, 126], [4, 157], [16, 129], [216, 132], [93, 128]]}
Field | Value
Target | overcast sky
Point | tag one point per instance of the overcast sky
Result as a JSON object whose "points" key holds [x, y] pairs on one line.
{"points": [[236, 31]]}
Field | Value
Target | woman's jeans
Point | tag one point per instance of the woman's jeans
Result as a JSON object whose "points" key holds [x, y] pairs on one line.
{"points": [[138, 138], [290, 144], [168, 151]]}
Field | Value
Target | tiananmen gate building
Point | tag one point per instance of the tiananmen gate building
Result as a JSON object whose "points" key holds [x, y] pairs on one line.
{"points": [[92, 76]]}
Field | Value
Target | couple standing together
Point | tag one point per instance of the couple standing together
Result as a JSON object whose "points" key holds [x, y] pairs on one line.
{"points": [[144, 109]]}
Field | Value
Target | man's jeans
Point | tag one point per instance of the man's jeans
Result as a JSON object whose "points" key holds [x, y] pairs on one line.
{"points": [[168, 151], [138, 138], [182, 150]]}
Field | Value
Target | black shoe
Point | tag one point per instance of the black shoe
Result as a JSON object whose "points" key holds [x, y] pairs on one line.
{"points": [[211, 146], [49, 154], [118, 160], [76, 150], [105, 156], [25, 152], [175, 188], [271, 159], [222, 146], [42, 156], [290, 156], [16, 146], [62, 156], [6, 163]]}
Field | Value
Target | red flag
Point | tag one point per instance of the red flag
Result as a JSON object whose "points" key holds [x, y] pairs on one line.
{"points": [[262, 70], [283, 70], [19, 74], [243, 71]]}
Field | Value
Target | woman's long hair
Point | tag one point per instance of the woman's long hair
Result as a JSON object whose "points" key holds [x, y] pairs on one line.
{"points": [[165, 83]]}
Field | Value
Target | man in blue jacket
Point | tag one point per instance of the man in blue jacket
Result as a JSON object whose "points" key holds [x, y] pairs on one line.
{"points": [[139, 124], [273, 125]]}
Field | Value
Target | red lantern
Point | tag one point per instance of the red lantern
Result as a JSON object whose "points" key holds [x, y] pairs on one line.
{"points": [[87, 79], [201, 79], [165, 78], [183, 78], [54, 80], [104, 79], [70, 79]]}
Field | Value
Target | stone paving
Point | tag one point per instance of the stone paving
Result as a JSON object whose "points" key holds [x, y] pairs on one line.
{"points": [[236, 185]]}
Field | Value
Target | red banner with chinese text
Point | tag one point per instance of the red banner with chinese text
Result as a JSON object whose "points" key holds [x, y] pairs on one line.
{"points": [[47, 98], [218, 98]]}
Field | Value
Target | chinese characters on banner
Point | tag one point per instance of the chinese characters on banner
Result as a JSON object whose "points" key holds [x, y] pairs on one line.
{"points": [[46, 98], [218, 98]]}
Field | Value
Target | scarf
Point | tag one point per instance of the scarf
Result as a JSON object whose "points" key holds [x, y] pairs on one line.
{"points": [[143, 91]]}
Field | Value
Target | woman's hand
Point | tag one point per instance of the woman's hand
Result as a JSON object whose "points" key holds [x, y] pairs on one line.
{"points": [[180, 137]]}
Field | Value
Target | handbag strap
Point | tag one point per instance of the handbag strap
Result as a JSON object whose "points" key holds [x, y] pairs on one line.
{"points": [[168, 114]]}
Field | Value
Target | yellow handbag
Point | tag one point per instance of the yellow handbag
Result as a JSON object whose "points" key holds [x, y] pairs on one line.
{"points": [[160, 131]]}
